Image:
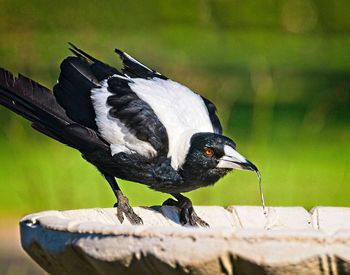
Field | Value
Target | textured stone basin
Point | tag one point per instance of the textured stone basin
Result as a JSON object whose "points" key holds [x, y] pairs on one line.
{"points": [[240, 240]]}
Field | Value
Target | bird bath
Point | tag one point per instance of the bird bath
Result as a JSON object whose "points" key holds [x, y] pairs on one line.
{"points": [[240, 240]]}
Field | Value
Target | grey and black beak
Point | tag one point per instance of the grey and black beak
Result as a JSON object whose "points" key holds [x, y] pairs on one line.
{"points": [[248, 166], [234, 160]]}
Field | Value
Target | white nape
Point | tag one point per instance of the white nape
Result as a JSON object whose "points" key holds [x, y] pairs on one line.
{"points": [[113, 130], [181, 111], [231, 159]]}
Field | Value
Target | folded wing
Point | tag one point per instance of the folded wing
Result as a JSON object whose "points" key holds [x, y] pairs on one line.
{"points": [[98, 96]]}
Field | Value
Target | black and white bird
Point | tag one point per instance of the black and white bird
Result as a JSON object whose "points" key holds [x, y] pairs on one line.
{"points": [[134, 124]]}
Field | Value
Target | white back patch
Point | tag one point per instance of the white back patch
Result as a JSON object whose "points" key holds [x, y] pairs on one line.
{"points": [[181, 111], [113, 130]]}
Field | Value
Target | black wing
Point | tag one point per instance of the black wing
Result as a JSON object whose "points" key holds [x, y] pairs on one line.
{"points": [[136, 114], [213, 117], [79, 74], [82, 73], [135, 68]]}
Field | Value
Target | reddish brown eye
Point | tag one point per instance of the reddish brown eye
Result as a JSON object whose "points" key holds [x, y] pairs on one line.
{"points": [[208, 152]]}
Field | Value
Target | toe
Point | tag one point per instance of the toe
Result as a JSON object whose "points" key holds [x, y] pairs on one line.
{"points": [[202, 223], [133, 217], [120, 215], [195, 220], [184, 216], [136, 220]]}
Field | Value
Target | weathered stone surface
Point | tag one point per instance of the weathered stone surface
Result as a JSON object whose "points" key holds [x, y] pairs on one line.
{"points": [[241, 240]]}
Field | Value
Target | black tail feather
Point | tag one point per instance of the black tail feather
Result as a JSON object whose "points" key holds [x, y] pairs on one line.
{"points": [[38, 104], [17, 107], [29, 95], [54, 135], [32, 101]]}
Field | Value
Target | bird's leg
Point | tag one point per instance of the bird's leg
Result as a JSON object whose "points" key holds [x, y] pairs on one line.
{"points": [[187, 213], [122, 203]]}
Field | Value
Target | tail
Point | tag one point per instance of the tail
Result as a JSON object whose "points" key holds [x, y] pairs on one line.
{"points": [[38, 104]]}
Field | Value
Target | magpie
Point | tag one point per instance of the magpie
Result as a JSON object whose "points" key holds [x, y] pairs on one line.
{"points": [[131, 123]]}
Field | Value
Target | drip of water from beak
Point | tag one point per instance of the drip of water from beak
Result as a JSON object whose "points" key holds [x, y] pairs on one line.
{"points": [[261, 192]]}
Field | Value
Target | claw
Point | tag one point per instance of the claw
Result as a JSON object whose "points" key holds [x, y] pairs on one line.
{"points": [[187, 213], [195, 220], [123, 208]]}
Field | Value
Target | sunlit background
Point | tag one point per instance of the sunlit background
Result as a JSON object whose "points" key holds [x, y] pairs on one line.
{"points": [[278, 72]]}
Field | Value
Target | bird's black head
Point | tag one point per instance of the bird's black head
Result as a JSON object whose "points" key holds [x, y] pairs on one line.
{"points": [[210, 157]]}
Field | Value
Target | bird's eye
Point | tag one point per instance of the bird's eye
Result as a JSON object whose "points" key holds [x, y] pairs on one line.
{"points": [[208, 152]]}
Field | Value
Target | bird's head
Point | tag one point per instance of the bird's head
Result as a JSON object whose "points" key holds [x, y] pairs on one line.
{"points": [[210, 157]]}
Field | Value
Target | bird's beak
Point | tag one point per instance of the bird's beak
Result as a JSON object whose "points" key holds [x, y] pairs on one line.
{"points": [[234, 160]]}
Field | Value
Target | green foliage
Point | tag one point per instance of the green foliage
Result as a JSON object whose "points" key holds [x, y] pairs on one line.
{"points": [[278, 72]]}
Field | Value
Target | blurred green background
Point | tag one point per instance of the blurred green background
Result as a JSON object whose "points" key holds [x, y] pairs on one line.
{"points": [[278, 71]]}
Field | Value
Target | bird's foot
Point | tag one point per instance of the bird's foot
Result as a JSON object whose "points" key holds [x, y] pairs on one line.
{"points": [[187, 213], [124, 208]]}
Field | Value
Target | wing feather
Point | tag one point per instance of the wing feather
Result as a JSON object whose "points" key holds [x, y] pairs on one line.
{"points": [[135, 68], [136, 115]]}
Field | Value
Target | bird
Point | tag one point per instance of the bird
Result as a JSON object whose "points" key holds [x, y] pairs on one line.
{"points": [[131, 123]]}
